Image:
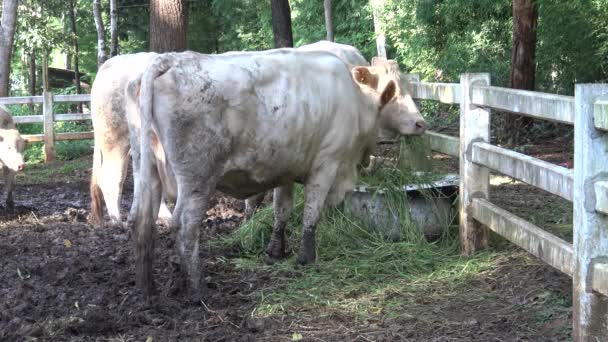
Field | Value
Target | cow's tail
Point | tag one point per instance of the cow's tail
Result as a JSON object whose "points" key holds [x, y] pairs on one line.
{"points": [[147, 201]]}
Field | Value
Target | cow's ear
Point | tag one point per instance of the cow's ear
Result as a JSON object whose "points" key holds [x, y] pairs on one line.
{"points": [[363, 76], [388, 93], [1, 138]]}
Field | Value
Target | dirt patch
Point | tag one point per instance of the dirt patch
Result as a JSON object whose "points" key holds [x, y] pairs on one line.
{"points": [[64, 280]]}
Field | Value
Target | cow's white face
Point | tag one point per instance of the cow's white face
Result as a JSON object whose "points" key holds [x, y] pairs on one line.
{"points": [[399, 115], [11, 148]]}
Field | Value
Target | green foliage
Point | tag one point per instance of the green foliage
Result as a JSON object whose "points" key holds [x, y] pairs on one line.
{"points": [[352, 21]]}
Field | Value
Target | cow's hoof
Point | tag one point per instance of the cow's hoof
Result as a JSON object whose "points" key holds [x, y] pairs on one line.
{"points": [[271, 259], [305, 258], [10, 207], [275, 252], [307, 253]]}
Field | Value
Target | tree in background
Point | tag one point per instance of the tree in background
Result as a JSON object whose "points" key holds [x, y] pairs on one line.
{"points": [[281, 23], [168, 25], [72, 9], [113, 29], [7, 34], [101, 33], [523, 67], [329, 26]]}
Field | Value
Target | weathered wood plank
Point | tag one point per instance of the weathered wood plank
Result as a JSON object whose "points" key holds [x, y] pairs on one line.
{"points": [[49, 139], [21, 100], [545, 246], [73, 117], [474, 179], [442, 92], [443, 143], [33, 137], [600, 114], [72, 98], [74, 136], [599, 280], [601, 197], [557, 108], [28, 119], [589, 308], [549, 177]]}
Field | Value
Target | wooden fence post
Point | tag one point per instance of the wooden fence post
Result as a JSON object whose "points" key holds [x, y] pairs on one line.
{"points": [[49, 134], [590, 241], [474, 179]]}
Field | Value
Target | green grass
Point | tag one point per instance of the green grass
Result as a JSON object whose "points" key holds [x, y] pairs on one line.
{"points": [[38, 173], [358, 270]]}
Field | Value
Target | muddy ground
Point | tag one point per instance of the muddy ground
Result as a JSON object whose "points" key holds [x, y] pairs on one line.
{"points": [[64, 280]]}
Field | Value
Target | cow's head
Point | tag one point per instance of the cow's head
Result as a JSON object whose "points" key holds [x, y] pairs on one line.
{"points": [[11, 148], [398, 112]]}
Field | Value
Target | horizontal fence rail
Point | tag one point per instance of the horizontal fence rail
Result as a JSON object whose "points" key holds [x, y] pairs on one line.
{"points": [[555, 179], [545, 246], [48, 118], [557, 108], [441, 92], [443, 143]]}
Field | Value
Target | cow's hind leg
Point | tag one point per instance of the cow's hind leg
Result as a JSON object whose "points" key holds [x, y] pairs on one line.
{"points": [[189, 215], [283, 205], [316, 190], [9, 186], [112, 177]]}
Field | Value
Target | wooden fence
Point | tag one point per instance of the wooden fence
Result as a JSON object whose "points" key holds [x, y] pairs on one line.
{"points": [[48, 118], [586, 259]]}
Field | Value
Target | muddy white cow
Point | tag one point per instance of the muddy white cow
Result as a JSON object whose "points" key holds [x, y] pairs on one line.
{"points": [[249, 122], [11, 157]]}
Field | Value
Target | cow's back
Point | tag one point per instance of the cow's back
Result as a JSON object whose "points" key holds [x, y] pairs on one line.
{"points": [[345, 52], [107, 91]]}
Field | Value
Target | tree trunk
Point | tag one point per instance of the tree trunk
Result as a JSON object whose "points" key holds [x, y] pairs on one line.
{"points": [[45, 71], [168, 25], [28, 59], [377, 6], [31, 84], [113, 29], [75, 40], [101, 33], [329, 25], [7, 35], [281, 23], [523, 68]]}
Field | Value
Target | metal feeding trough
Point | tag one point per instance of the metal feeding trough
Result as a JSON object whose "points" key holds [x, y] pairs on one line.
{"points": [[431, 207]]}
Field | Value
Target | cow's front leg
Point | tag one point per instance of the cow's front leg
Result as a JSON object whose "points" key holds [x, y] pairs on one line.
{"points": [[252, 204], [9, 186], [317, 187], [283, 205]]}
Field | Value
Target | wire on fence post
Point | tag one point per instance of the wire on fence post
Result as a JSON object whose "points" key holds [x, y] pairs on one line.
{"points": [[49, 135], [590, 241], [474, 179]]}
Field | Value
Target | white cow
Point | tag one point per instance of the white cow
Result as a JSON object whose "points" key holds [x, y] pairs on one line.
{"points": [[244, 123], [111, 133], [11, 157]]}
